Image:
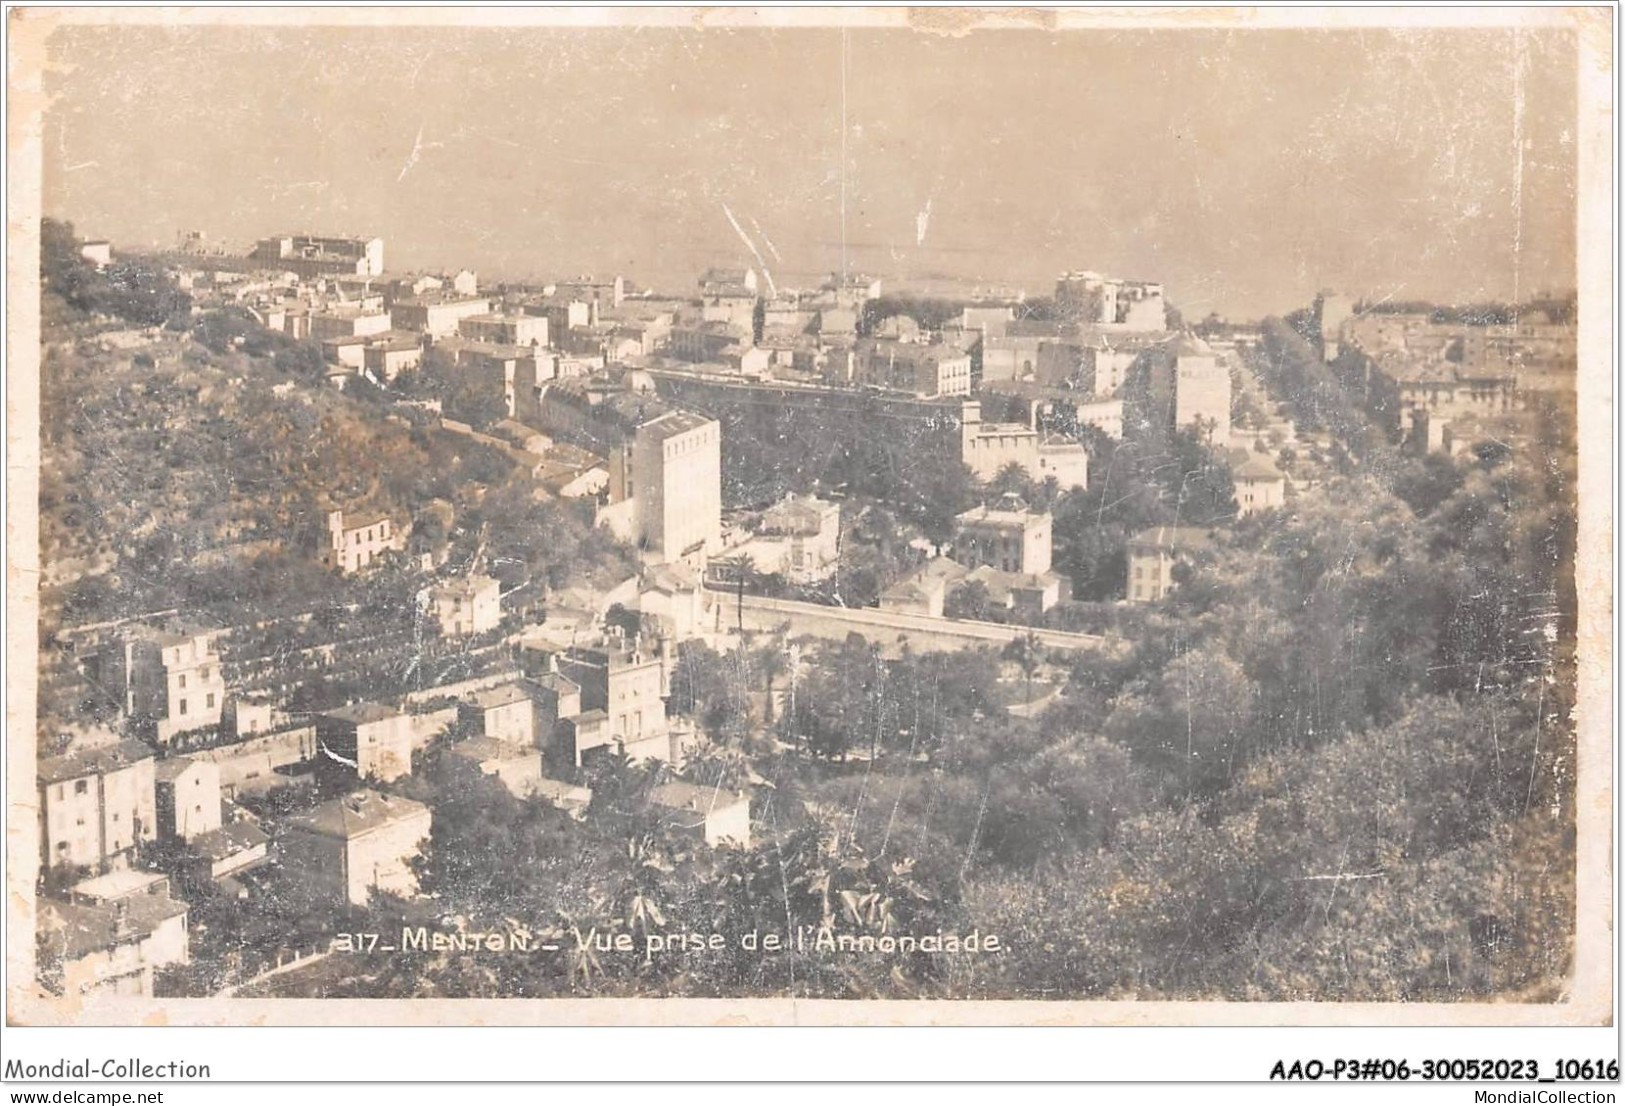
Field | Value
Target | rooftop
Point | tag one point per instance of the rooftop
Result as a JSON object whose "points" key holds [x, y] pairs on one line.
{"points": [[78, 930], [465, 585], [683, 796], [228, 841], [1187, 346], [173, 632], [729, 290], [93, 762], [560, 793], [1060, 443], [1175, 538], [555, 683], [1000, 584], [356, 814], [1009, 511], [1029, 389], [363, 519], [434, 300], [1256, 466], [669, 578], [170, 768], [501, 696], [395, 345], [673, 423], [118, 884], [361, 714], [482, 749], [916, 351], [501, 351], [797, 514], [941, 568]]}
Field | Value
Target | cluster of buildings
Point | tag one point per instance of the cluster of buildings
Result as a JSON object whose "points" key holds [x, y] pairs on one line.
{"points": [[798, 539], [109, 927], [1111, 303], [581, 367], [139, 814], [1444, 386], [567, 357], [1005, 547]]}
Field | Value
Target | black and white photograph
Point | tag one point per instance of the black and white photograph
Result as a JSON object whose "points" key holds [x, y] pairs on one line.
{"points": [[808, 516]]}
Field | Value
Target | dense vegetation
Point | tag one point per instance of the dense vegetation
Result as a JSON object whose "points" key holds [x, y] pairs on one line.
{"points": [[1337, 763], [193, 473], [1334, 765], [129, 291]]}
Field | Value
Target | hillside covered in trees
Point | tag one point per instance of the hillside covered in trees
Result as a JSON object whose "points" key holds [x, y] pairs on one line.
{"points": [[1337, 764]]}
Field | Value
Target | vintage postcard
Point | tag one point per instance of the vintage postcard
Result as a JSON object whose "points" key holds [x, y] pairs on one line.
{"points": [[809, 516]]}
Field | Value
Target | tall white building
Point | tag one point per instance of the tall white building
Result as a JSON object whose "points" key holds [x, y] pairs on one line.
{"points": [[1201, 390], [166, 681], [676, 483], [1333, 312]]}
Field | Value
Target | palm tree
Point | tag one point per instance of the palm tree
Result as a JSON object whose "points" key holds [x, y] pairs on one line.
{"points": [[1029, 657], [773, 664], [739, 566], [713, 765], [641, 907]]}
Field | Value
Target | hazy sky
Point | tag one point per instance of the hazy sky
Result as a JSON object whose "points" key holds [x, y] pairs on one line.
{"points": [[1245, 169]]}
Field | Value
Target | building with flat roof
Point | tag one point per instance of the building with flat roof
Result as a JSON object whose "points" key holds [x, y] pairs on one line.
{"points": [[388, 355], [986, 447], [1063, 460], [346, 321], [438, 317], [97, 251], [165, 680], [310, 255], [1111, 303], [627, 680], [676, 481], [1201, 390], [508, 330]]}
